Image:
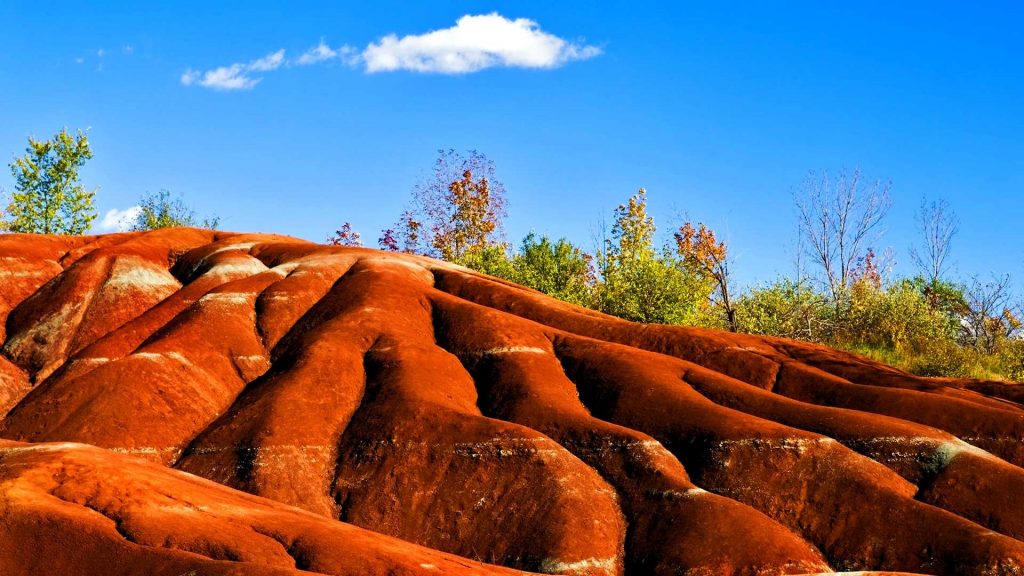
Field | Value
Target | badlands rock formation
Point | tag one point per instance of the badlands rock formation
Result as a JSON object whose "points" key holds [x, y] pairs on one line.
{"points": [[191, 402]]}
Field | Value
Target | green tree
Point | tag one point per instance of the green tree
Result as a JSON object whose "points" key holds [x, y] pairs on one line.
{"points": [[160, 210], [558, 269], [633, 231], [491, 259], [48, 196], [641, 283]]}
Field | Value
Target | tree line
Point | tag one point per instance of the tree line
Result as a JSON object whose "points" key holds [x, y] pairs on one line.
{"points": [[841, 293]]}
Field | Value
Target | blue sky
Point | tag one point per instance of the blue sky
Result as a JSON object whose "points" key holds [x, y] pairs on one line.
{"points": [[718, 109]]}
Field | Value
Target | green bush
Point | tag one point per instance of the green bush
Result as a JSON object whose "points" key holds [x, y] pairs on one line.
{"points": [[558, 269], [899, 317], [1010, 359], [784, 308], [654, 289], [492, 259]]}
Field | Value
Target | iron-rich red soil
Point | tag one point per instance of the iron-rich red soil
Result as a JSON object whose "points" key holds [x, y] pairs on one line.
{"points": [[191, 402]]}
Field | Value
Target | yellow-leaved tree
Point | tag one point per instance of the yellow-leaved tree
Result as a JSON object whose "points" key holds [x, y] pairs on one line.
{"points": [[457, 214], [709, 258]]}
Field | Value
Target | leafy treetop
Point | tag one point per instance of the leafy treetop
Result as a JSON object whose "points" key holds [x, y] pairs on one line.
{"points": [[48, 197], [161, 211]]}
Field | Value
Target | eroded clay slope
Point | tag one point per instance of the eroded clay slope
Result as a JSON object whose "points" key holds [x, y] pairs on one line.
{"points": [[344, 410]]}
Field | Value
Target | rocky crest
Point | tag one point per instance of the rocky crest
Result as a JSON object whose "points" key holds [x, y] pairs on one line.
{"points": [[191, 402]]}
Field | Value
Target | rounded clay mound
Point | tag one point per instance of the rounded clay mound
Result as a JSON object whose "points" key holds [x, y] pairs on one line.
{"points": [[194, 402]]}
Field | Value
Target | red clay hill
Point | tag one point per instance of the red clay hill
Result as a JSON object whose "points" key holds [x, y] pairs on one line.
{"points": [[191, 402]]}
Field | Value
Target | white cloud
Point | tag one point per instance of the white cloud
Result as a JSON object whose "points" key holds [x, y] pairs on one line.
{"points": [[235, 76], [119, 220], [101, 55], [318, 53], [472, 44], [224, 78], [322, 53], [475, 43], [269, 62]]}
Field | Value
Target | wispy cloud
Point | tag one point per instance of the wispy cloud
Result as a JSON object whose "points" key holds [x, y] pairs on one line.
{"points": [[474, 43], [119, 220], [269, 62], [322, 53], [100, 55], [236, 76], [224, 78]]}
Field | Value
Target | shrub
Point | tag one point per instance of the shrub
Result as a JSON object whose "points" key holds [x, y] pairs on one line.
{"points": [[785, 308], [558, 269]]}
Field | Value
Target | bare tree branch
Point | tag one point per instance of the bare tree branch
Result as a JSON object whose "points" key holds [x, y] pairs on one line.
{"points": [[838, 219], [989, 316], [937, 224]]}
